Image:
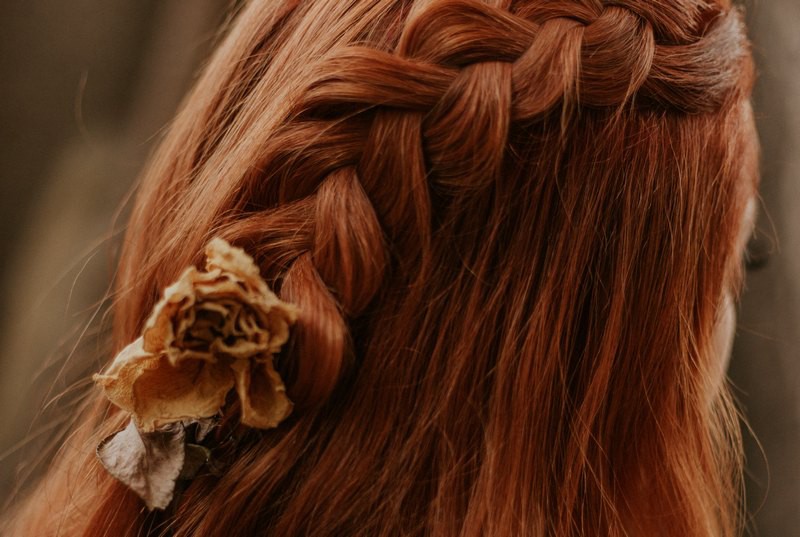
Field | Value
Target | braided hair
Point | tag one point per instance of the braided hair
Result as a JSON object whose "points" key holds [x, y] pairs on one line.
{"points": [[509, 227]]}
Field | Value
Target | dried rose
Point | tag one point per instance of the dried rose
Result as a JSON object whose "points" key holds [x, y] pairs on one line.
{"points": [[212, 331]]}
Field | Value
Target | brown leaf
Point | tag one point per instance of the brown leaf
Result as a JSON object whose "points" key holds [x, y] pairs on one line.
{"points": [[196, 457], [147, 463]]}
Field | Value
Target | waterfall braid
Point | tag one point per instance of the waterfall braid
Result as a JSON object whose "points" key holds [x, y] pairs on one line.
{"points": [[508, 226]]}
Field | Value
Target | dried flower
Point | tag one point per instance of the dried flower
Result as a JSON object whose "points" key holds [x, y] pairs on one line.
{"points": [[212, 331]]}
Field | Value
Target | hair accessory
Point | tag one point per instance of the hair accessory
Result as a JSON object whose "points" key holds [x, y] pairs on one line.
{"points": [[212, 332]]}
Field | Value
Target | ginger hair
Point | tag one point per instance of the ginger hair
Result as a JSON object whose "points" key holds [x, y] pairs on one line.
{"points": [[508, 225]]}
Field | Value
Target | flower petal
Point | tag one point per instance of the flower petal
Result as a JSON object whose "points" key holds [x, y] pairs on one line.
{"points": [[132, 353], [155, 392], [159, 331], [122, 374], [190, 390], [278, 319], [222, 256], [262, 393]]}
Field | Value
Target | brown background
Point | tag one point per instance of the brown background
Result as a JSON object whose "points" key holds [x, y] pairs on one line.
{"points": [[86, 86]]}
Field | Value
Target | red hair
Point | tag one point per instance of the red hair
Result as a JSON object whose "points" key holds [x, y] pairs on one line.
{"points": [[509, 227]]}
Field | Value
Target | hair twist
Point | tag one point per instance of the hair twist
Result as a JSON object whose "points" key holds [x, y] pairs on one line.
{"points": [[620, 50], [331, 268]]}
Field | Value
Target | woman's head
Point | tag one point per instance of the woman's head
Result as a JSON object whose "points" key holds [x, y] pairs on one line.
{"points": [[510, 228]]}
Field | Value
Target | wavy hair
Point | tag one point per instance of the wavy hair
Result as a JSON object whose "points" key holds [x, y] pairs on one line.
{"points": [[509, 226]]}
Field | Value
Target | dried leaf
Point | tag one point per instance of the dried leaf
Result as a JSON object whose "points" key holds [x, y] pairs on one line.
{"points": [[148, 463], [204, 427], [196, 457]]}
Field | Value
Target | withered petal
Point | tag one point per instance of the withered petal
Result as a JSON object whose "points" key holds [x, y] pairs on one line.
{"points": [[155, 392], [220, 255], [240, 349], [227, 286], [280, 316], [131, 353], [159, 330], [192, 389], [125, 369], [262, 393]]}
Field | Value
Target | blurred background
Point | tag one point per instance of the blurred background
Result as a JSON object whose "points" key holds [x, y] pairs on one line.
{"points": [[87, 86]]}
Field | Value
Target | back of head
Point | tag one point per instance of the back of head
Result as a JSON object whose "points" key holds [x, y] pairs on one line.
{"points": [[509, 227]]}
